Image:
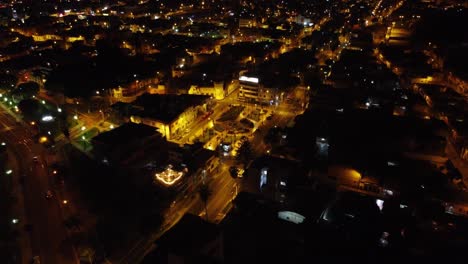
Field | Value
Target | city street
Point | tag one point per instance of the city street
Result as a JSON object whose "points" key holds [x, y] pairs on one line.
{"points": [[224, 190], [42, 224]]}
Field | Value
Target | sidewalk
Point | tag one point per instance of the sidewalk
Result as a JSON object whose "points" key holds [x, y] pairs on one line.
{"points": [[18, 208], [18, 212]]}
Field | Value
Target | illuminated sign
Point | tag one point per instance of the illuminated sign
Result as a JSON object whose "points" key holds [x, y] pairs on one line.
{"points": [[169, 176], [263, 177], [248, 79], [291, 217]]}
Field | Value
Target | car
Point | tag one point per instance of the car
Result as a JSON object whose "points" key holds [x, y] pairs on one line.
{"points": [[48, 194], [36, 260], [59, 180], [240, 173]]}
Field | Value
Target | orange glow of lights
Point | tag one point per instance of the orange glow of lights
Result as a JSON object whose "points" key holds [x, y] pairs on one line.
{"points": [[169, 176]]}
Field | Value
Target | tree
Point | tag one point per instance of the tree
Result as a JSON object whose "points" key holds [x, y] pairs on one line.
{"points": [[66, 132], [29, 108], [233, 171], [205, 193], [244, 153], [27, 89]]}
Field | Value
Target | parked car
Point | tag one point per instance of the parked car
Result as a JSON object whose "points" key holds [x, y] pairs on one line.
{"points": [[48, 194]]}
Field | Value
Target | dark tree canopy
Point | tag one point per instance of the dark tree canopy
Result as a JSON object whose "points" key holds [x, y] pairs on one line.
{"points": [[205, 192], [107, 70], [244, 153], [442, 27], [8, 81], [27, 89], [29, 108]]}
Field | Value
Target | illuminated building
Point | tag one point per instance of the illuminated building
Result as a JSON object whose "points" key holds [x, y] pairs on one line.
{"points": [[129, 92], [215, 89], [170, 113], [252, 89]]}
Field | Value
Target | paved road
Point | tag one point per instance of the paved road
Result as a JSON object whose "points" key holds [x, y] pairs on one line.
{"points": [[224, 190], [47, 231]]}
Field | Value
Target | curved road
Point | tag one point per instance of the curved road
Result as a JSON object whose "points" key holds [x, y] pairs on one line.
{"points": [[47, 232]]}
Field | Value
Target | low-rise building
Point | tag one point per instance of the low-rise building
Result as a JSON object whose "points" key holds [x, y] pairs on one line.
{"points": [[135, 146], [125, 143], [170, 113], [129, 92], [192, 240]]}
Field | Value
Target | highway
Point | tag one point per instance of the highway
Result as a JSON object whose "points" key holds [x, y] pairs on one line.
{"points": [[42, 223]]}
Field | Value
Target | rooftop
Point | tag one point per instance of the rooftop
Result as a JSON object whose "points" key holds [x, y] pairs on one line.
{"points": [[166, 107], [189, 235], [126, 133]]}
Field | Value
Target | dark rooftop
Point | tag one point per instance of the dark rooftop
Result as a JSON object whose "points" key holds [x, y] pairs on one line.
{"points": [[125, 133], [188, 235], [167, 107]]}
